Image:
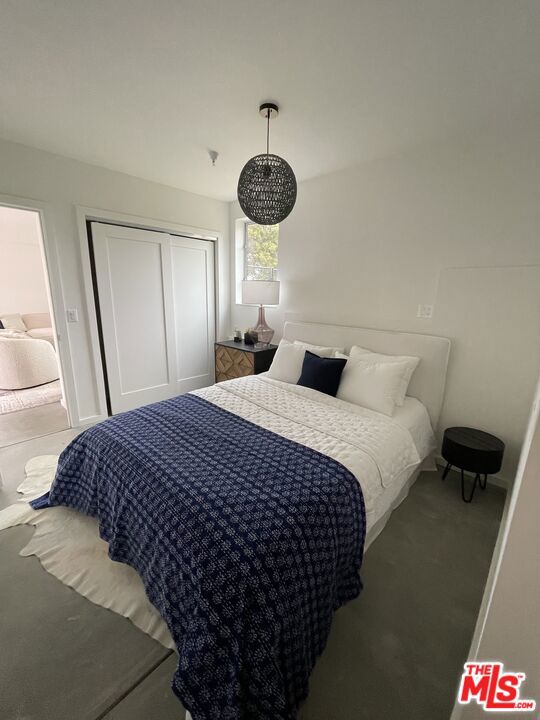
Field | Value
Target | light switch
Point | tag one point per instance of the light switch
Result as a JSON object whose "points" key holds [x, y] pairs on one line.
{"points": [[425, 311], [72, 315]]}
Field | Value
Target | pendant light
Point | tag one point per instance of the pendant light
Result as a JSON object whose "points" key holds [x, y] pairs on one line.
{"points": [[267, 185]]}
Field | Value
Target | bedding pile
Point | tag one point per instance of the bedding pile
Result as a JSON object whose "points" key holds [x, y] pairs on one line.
{"points": [[246, 540]]}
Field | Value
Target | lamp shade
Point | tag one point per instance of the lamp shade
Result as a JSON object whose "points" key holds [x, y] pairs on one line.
{"points": [[267, 189], [260, 292]]}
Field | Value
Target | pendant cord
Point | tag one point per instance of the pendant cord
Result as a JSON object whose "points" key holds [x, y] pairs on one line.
{"points": [[267, 131]]}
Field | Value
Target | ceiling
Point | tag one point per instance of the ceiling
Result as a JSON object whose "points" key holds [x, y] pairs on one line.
{"points": [[148, 87]]}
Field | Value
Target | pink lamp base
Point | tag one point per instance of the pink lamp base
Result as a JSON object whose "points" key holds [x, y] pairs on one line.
{"points": [[264, 331]]}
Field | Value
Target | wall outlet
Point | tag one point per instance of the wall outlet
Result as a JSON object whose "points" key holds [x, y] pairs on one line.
{"points": [[72, 315], [424, 311]]}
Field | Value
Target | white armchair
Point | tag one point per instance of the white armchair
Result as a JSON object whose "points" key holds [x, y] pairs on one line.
{"points": [[26, 362]]}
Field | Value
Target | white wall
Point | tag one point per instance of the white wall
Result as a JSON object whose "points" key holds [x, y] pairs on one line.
{"points": [[508, 629], [22, 276], [62, 184], [455, 226]]}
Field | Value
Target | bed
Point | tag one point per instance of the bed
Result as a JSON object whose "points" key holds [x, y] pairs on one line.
{"points": [[245, 508], [423, 405]]}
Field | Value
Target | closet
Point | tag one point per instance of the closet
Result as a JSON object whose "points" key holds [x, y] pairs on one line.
{"points": [[155, 302]]}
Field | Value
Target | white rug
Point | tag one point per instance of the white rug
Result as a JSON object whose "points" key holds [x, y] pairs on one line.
{"points": [[69, 547], [14, 400]]}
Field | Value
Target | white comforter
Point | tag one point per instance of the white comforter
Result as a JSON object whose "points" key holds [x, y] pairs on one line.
{"points": [[377, 449]]}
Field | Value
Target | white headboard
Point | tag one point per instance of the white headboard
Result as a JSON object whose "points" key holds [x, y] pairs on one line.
{"points": [[428, 380]]}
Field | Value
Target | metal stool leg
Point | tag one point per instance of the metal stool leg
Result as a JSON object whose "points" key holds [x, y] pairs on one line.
{"points": [[483, 483], [476, 480], [446, 471]]}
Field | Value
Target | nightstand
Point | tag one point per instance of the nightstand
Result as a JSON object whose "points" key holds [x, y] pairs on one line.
{"points": [[234, 360], [473, 450]]}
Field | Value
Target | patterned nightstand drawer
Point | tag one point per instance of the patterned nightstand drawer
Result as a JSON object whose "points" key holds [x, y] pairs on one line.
{"points": [[232, 363], [234, 360]]}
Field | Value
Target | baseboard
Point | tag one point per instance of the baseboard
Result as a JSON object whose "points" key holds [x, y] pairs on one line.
{"points": [[86, 422], [497, 480]]}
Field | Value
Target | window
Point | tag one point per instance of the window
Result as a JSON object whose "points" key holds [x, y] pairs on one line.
{"points": [[261, 251]]}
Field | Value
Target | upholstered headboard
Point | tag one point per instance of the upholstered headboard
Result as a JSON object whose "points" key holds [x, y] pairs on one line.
{"points": [[428, 380]]}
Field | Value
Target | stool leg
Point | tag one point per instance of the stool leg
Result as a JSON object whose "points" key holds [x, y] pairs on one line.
{"points": [[446, 471], [483, 483], [476, 480]]}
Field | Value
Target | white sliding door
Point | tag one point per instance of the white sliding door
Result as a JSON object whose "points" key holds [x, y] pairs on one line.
{"points": [[193, 296], [156, 304]]}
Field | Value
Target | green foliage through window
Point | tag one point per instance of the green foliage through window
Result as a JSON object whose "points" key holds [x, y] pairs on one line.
{"points": [[261, 252]]}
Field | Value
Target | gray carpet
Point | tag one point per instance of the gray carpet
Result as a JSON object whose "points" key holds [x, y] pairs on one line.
{"points": [[395, 652]]}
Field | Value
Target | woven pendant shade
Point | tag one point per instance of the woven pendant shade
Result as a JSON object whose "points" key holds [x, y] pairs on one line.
{"points": [[267, 185], [267, 189]]}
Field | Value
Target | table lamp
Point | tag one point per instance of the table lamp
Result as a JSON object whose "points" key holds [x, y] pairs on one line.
{"points": [[261, 293]]}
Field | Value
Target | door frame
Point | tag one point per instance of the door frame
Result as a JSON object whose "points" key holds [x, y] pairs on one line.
{"points": [[86, 214], [55, 293]]}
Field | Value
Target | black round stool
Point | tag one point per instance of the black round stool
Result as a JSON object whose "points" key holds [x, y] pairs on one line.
{"points": [[472, 450]]}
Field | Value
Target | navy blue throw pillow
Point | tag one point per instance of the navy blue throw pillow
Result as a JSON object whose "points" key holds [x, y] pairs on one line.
{"points": [[322, 374]]}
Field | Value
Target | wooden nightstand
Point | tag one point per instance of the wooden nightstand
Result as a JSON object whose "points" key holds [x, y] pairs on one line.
{"points": [[234, 360]]}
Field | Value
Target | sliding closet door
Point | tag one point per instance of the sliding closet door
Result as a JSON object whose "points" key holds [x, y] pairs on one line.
{"points": [[134, 282], [194, 300], [156, 305]]}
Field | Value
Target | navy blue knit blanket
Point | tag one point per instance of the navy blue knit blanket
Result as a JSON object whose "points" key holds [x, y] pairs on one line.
{"points": [[246, 542]]}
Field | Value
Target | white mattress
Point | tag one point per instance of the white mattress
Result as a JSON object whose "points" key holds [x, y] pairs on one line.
{"points": [[414, 416], [381, 452]]}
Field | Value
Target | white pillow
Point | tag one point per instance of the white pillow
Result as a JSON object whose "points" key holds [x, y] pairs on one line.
{"points": [[372, 385], [13, 322], [287, 363], [411, 363], [319, 350]]}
